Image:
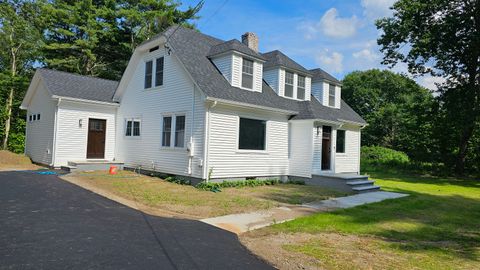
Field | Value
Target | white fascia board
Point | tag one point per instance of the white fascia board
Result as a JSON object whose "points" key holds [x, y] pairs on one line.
{"points": [[80, 100], [247, 105]]}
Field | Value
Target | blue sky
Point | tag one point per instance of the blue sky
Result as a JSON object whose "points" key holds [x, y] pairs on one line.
{"points": [[338, 36]]}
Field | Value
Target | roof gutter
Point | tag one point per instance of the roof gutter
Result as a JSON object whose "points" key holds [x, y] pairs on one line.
{"points": [[81, 100], [248, 105]]}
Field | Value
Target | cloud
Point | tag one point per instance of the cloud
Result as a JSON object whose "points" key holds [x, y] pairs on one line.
{"points": [[430, 82], [331, 25], [367, 55], [332, 62], [375, 9]]}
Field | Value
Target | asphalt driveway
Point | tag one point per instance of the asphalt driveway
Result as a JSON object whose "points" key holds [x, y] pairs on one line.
{"points": [[47, 223]]}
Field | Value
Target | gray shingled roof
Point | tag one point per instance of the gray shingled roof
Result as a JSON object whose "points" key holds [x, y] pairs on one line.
{"points": [[193, 49], [71, 85], [277, 58], [320, 74], [234, 45]]}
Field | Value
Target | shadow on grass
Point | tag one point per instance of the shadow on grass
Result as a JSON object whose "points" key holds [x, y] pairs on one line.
{"points": [[298, 194]]}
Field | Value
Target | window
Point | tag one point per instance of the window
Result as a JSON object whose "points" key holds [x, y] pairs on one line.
{"points": [[179, 131], [38, 116], [340, 141], [30, 118], [288, 84], [247, 74], [34, 117], [252, 134], [301, 87], [167, 131], [331, 95], [148, 74], [132, 128], [159, 72]]}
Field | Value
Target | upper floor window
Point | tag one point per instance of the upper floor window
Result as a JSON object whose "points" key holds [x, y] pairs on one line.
{"points": [[331, 95], [301, 87], [159, 72], [252, 134], [247, 74], [148, 74], [288, 84]]}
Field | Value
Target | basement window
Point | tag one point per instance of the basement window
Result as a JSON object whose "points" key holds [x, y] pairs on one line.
{"points": [[252, 134]]}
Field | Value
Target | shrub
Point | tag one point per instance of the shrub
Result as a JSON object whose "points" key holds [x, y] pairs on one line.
{"points": [[385, 157], [241, 183], [177, 180]]}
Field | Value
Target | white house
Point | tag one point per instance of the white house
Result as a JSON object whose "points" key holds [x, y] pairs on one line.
{"points": [[193, 105]]}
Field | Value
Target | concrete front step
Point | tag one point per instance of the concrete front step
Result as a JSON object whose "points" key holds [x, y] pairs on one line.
{"points": [[364, 189]]}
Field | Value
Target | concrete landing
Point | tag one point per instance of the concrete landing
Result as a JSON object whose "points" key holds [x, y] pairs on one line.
{"points": [[239, 223]]}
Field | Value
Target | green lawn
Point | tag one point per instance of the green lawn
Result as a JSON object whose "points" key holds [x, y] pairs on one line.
{"points": [[436, 227]]}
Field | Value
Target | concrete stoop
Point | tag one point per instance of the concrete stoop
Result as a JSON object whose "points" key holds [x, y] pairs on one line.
{"points": [[349, 183], [91, 165]]}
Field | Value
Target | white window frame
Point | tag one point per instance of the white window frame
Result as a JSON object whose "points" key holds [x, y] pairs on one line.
{"points": [[304, 86], [153, 57], [238, 150], [253, 74], [292, 84], [330, 94], [173, 128]]}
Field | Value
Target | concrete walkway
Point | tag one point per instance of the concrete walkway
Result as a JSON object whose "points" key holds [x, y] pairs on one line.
{"points": [[239, 223]]}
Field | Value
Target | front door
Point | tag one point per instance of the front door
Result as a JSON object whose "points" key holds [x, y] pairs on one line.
{"points": [[326, 147], [96, 138]]}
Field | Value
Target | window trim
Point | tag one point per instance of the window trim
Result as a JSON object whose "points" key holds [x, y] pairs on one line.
{"points": [[330, 94], [253, 74], [344, 142], [184, 131], [132, 119], [156, 71], [173, 127], [253, 151], [147, 61], [285, 84], [304, 86], [163, 130]]}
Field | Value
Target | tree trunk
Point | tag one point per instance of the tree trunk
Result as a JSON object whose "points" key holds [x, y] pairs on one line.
{"points": [[8, 120], [462, 149]]}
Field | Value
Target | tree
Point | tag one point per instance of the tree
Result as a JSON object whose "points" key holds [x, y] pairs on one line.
{"points": [[97, 37], [398, 110], [19, 40], [442, 38]]}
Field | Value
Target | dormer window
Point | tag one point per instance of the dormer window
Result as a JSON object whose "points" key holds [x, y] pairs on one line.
{"points": [[331, 95], [288, 84], [301, 87], [247, 74]]}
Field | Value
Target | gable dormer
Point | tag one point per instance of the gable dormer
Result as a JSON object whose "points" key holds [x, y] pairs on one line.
{"points": [[286, 77], [240, 63], [326, 88]]}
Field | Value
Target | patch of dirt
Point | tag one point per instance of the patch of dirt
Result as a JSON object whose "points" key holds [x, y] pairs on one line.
{"points": [[10, 162]]}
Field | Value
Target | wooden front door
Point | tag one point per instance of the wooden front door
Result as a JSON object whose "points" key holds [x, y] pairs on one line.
{"points": [[326, 147], [96, 138]]}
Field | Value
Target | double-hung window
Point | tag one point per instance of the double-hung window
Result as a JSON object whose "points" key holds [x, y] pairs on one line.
{"points": [[331, 95], [159, 71], [247, 74], [148, 74], [132, 127], [252, 134], [288, 84], [176, 124], [340, 141], [167, 131], [301, 87]]}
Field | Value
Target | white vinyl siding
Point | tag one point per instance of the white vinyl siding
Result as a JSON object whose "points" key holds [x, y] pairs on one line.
{"points": [[227, 161], [301, 148], [39, 133], [317, 150], [236, 70], [349, 161], [271, 76], [321, 90], [178, 96], [224, 65], [71, 142]]}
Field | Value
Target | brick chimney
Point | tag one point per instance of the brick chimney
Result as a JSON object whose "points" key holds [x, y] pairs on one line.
{"points": [[251, 40]]}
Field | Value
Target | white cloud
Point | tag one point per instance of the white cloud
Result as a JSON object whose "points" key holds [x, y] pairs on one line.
{"points": [[374, 9], [366, 55], [331, 25], [430, 82], [332, 62]]}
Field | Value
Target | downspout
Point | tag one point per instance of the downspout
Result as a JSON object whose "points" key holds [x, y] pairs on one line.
{"points": [[207, 132], [55, 123], [190, 155]]}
